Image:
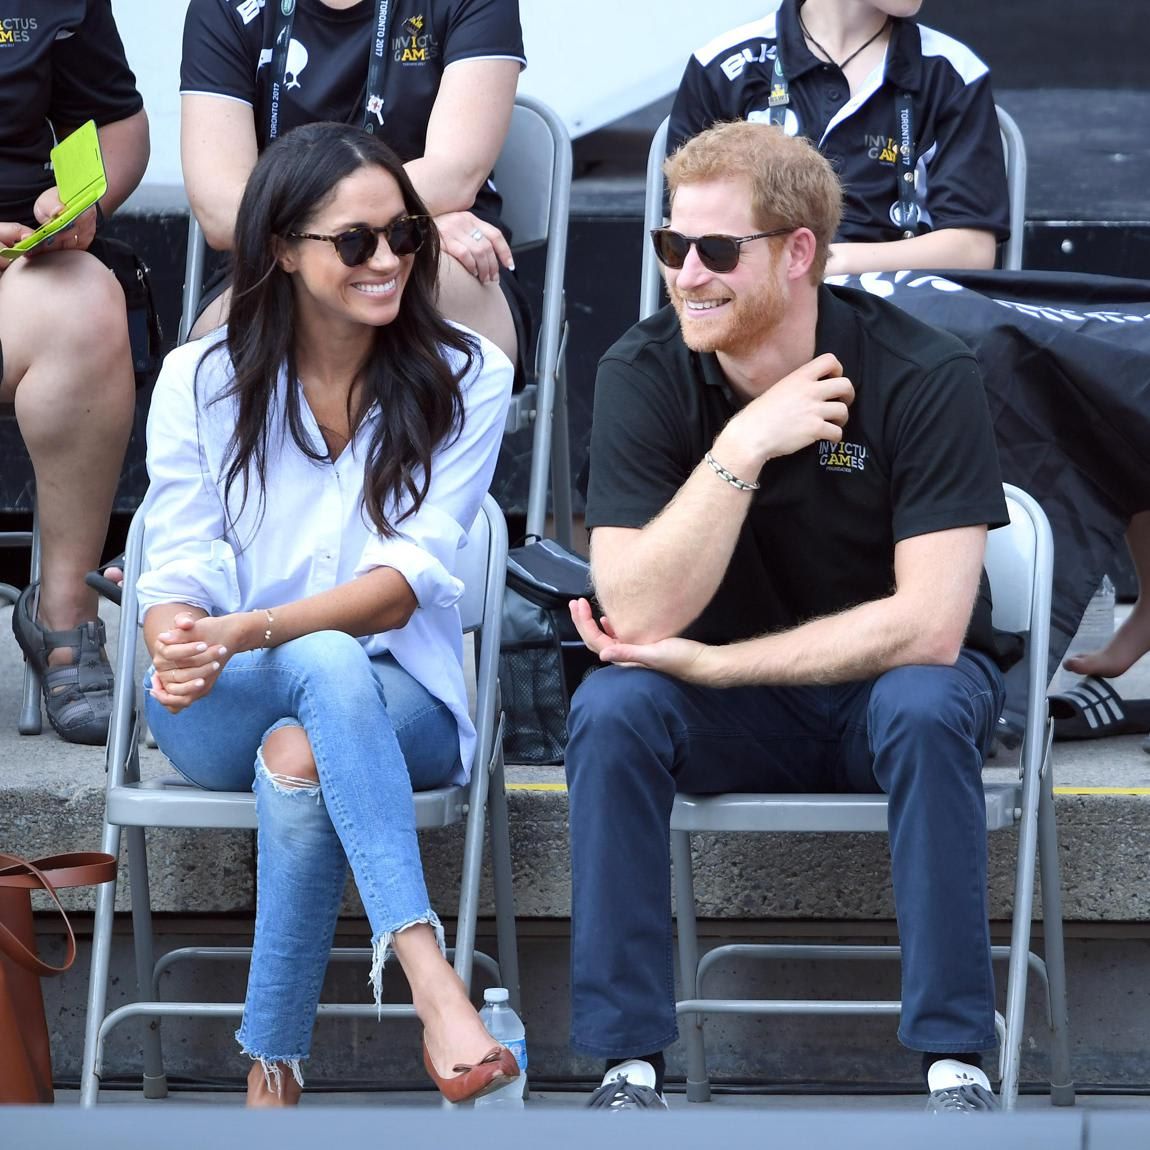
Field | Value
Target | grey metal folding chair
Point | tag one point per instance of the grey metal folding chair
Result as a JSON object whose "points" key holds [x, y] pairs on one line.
{"points": [[533, 174], [1019, 561], [651, 282], [133, 805]]}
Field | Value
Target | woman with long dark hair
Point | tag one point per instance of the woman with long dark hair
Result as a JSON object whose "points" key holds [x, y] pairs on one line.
{"points": [[313, 474]]}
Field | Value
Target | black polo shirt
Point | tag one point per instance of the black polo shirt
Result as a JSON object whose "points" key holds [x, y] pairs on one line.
{"points": [[960, 171], [61, 64], [228, 51], [918, 456]]}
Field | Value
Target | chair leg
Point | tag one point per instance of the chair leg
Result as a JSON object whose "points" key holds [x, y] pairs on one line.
{"points": [[698, 1082], [155, 1081], [31, 720], [1018, 969], [501, 872], [1061, 1078], [469, 883], [92, 1064]]}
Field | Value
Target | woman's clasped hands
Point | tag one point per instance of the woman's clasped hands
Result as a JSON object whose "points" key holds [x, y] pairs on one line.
{"points": [[189, 656]]}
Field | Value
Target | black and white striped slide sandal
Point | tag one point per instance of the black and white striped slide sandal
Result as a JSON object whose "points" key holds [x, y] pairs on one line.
{"points": [[1093, 709]]}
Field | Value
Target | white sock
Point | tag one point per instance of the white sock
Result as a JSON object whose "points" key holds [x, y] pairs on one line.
{"points": [[949, 1072]]}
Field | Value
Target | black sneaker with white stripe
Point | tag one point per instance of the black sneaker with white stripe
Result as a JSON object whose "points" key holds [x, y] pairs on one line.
{"points": [[628, 1086], [958, 1088]]}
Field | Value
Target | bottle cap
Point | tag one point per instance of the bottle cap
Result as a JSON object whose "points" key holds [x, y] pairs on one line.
{"points": [[495, 994]]}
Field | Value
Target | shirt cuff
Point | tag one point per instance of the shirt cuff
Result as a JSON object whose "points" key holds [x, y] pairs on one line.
{"points": [[201, 575], [430, 582]]}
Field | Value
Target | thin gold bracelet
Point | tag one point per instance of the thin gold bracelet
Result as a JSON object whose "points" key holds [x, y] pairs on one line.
{"points": [[268, 629]]}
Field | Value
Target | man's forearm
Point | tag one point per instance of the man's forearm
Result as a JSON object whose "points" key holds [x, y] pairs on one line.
{"points": [[665, 576], [861, 643], [947, 248]]}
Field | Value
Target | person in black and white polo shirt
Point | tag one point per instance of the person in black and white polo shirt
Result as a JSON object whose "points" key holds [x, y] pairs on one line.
{"points": [[859, 78], [434, 79]]}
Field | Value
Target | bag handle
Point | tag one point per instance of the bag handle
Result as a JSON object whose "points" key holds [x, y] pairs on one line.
{"points": [[80, 868], [83, 868]]}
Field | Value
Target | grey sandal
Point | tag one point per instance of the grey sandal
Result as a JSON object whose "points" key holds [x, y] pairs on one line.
{"points": [[77, 695]]}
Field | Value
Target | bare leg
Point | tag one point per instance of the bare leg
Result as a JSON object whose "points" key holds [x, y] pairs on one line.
{"points": [[451, 1026], [68, 369], [272, 1088], [1132, 640], [479, 306]]}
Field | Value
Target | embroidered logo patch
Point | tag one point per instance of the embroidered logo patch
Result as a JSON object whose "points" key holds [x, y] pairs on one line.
{"points": [[415, 44], [842, 456]]}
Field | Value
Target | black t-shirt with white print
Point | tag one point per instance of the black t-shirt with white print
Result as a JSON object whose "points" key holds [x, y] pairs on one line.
{"points": [[228, 51], [918, 456], [61, 64], [961, 179]]}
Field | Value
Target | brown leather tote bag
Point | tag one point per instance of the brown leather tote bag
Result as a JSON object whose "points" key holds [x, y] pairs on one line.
{"points": [[25, 1055]]}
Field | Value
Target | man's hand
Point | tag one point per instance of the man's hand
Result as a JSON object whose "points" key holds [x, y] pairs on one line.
{"points": [[480, 247], [681, 658], [595, 636], [76, 237], [810, 404]]}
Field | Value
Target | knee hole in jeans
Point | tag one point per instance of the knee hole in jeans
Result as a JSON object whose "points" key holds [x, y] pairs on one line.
{"points": [[288, 759]]}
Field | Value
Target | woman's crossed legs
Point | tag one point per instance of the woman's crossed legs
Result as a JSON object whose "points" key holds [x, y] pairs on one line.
{"points": [[333, 743]]}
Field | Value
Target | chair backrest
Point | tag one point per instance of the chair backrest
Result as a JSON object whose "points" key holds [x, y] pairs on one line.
{"points": [[651, 282], [532, 173], [194, 259], [1014, 153], [1020, 565], [1012, 559]]}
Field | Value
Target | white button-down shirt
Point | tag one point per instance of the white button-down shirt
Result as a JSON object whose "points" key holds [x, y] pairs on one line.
{"points": [[309, 531]]}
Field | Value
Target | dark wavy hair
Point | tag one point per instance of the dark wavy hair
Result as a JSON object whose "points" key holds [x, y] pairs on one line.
{"points": [[406, 373]]}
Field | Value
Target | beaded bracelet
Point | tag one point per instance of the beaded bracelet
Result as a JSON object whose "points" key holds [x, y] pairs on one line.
{"points": [[268, 629], [723, 473]]}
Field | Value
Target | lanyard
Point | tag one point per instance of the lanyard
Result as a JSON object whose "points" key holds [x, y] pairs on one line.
{"points": [[907, 209], [373, 92]]}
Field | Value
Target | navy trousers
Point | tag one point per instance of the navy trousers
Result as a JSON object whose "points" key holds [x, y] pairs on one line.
{"points": [[918, 733]]}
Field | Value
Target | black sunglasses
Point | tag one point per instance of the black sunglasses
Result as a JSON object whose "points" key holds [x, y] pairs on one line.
{"points": [[717, 253], [357, 245]]}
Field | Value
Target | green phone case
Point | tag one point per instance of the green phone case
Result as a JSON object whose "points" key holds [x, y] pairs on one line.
{"points": [[79, 171]]}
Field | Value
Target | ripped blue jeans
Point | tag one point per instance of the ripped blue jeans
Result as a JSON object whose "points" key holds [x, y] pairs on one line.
{"points": [[376, 735]]}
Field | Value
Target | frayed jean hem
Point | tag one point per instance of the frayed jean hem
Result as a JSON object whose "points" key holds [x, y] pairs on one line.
{"points": [[383, 944], [273, 1067]]}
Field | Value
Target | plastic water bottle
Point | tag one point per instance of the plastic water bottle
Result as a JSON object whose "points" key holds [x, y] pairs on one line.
{"points": [[504, 1026], [1094, 631]]}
